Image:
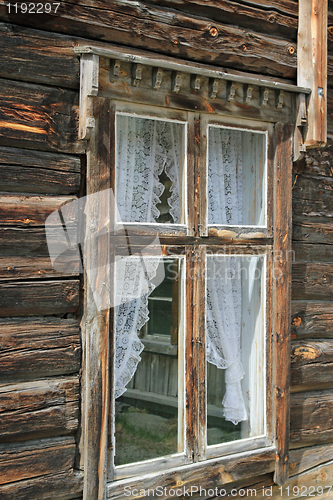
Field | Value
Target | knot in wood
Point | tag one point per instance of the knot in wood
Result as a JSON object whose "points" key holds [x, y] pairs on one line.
{"points": [[291, 50], [244, 47], [272, 18], [213, 31]]}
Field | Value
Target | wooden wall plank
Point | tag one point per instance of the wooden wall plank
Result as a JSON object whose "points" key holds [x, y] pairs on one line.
{"points": [[311, 420], [39, 117], [312, 281], [312, 196], [48, 57], [33, 459], [24, 298], [24, 241], [312, 252], [31, 210], [16, 268], [311, 319], [306, 458], [58, 486], [316, 161], [174, 33], [41, 408], [39, 346], [311, 365], [312, 231]]}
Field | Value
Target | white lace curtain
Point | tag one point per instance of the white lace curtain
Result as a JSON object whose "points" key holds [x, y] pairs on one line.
{"points": [[223, 301], [146, 148]]}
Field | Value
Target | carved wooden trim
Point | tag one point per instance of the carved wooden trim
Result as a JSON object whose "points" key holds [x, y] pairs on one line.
{"points": [[89, 70]]}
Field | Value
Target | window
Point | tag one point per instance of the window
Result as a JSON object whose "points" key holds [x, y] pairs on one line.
{"points": [[188, 373]]}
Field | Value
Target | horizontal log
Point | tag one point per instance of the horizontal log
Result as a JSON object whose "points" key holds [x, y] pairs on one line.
{"points": [[33, 459], [262, 16], [48, 57], [311, 319], [30, 210], [38, 172], [312, 232], [311, 418], [303, 459], [39, 297], [24, 241], [172, 33], [316, 161], [312, 196], [49, 487], [311, 365], [39, 117], [312, 252], [36, 409], [15, 268], [312, 281], [39, 347]]}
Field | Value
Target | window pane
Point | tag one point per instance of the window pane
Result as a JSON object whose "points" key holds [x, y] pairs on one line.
{"points": [[150, 159], [235, 347], [149, 414], [236, 177]]}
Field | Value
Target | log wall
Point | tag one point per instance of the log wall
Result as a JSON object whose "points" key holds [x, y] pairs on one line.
{"points": [[42, 166]]}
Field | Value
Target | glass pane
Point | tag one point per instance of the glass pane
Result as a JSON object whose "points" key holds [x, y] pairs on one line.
{"points": [[150, 159], [149, 414], [235, 346], [236, 177]]}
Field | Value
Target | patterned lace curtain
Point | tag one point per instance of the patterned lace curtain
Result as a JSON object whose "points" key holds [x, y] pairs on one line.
{"points": [[145, 148], [223, 301]]}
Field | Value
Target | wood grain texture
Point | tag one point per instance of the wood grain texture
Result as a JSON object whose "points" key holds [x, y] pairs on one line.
{"points": [[39, 347], [16, 268], [24, 298], [311, 418], [306, 458], [312, 252], [311, 365], [39, 117], [29, 211], [22, 170], [48, 57], [311, 231], [41, 408], [312, 196], [30, 459], [316, 161], [311, 319], [281, 296], [312, 67], [61, 485], [173, 33], [312, 281]]}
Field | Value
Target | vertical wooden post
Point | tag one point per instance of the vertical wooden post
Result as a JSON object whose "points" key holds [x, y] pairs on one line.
{"points": [[96, 321], [282, 295], [312, 67]]}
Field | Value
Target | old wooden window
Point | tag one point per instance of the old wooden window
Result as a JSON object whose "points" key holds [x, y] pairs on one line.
{"points": [[204, 164]]}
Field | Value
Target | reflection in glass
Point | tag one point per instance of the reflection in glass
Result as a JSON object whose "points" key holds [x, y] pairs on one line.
{"points": [[149, 414]]}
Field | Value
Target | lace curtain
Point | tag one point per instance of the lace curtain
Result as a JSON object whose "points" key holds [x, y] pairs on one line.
{"points": [[223, 301], [146, 148]]}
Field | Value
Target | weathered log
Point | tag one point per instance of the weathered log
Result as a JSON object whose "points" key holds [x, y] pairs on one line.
{"points": [[141, 25], [312, 196], [311, 421], [39, 297], [311, 319], [34, 171], [36, 458], [32, 210], [303, 459], [311, 365], [48, 57], [312, 252], [39, 347], [312, 232], [25, 241], [266, 17], [39, 117], [49, 487], [35, 409], [312, 281], [15, 268], [316, 161]]}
